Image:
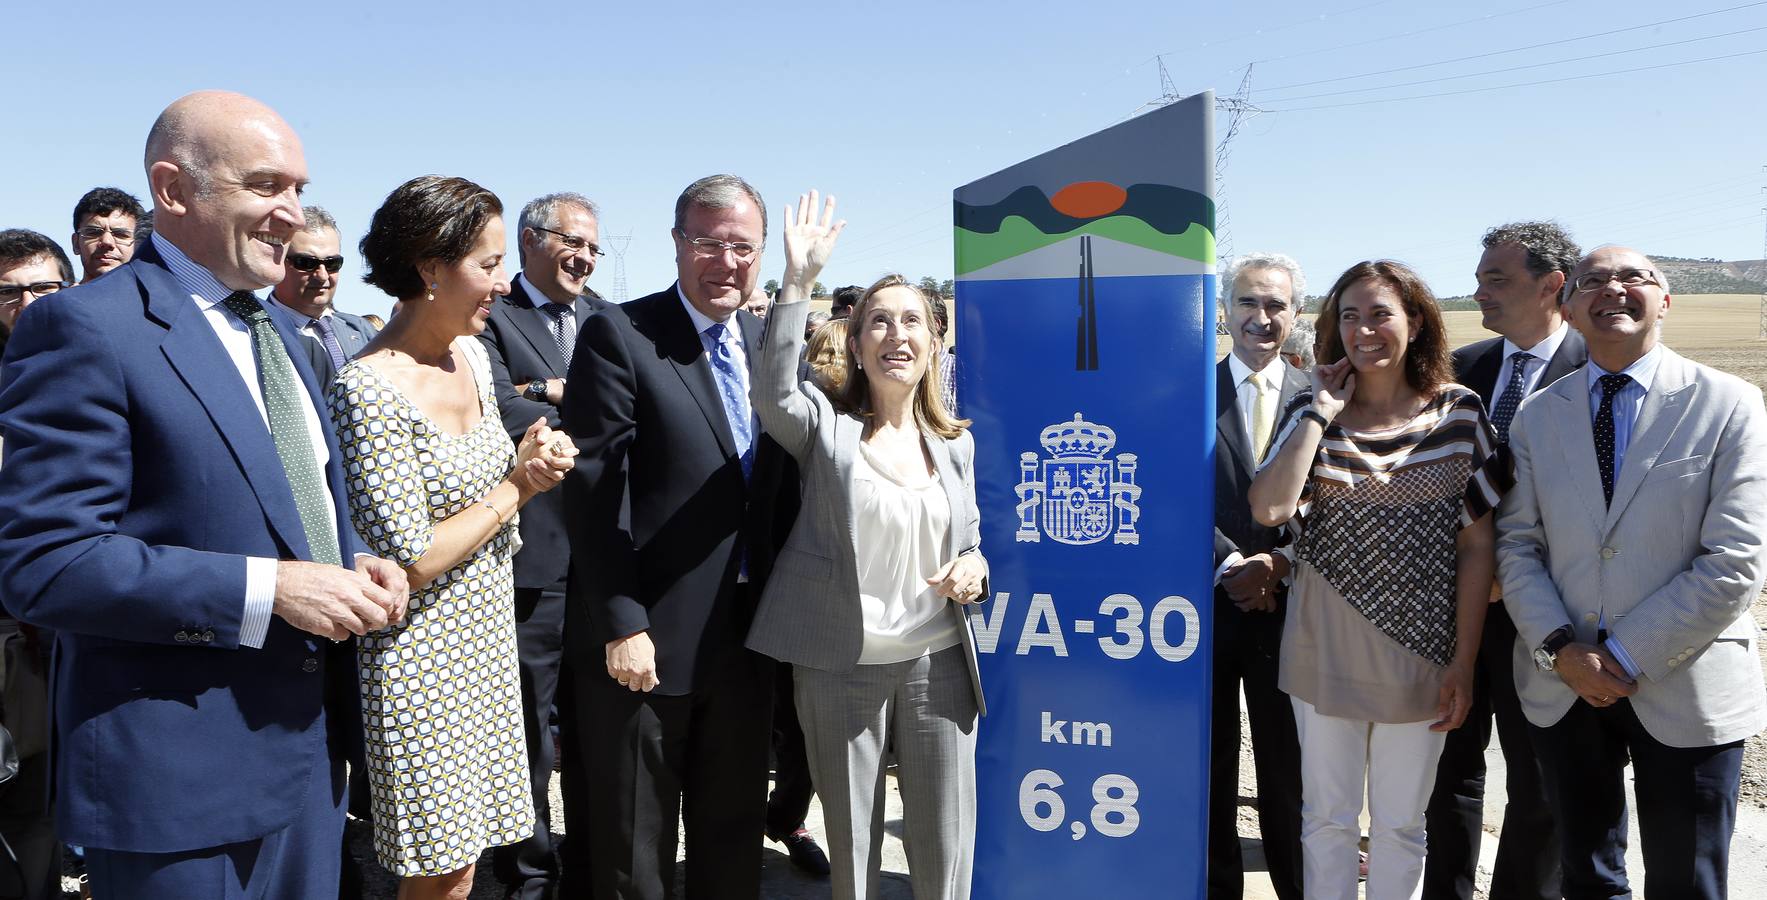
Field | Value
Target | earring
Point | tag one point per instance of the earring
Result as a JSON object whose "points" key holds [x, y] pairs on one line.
{"points": [[858, 365], [430, 295]]}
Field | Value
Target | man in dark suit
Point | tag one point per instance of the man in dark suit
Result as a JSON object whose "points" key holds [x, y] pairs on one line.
{"points": [[307, 295], [529, 339], [1261, 294], [173, 506], [1521, 277], [672, 527]]}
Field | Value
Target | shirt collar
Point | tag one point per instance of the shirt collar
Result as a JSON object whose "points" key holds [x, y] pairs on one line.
{"points": [[197, 281], [1543, 351], [700, 320], [299, 318], [540, 300], [1272, 373], [1643, 370]]}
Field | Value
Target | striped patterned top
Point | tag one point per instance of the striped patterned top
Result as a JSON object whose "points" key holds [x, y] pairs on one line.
{"points": [[1380, 514]]}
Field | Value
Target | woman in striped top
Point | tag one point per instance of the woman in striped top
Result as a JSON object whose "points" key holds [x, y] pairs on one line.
{"points": [[1388, 474]]}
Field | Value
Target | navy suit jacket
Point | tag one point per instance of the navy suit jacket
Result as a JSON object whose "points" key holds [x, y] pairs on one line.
{"points": [[139, 476], [518, 340]]}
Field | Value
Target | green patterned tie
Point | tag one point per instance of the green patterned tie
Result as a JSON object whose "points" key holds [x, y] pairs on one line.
{"points": [[283, 396]]}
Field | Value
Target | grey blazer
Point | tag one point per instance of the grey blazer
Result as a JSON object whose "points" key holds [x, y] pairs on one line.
{"points": [[1673, 562], [809, 613]]}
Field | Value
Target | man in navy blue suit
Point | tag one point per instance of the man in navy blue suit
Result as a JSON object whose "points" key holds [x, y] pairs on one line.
{"points": [[172, 505]]}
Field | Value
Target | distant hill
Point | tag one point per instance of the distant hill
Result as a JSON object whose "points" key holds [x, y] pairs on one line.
{"points": [[1687, 276]]}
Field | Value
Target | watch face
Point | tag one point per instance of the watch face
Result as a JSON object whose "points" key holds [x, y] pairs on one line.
{"points": [[1543, 659]]}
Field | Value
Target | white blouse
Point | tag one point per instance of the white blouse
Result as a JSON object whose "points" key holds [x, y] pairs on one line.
{"points": [[902, 530]]}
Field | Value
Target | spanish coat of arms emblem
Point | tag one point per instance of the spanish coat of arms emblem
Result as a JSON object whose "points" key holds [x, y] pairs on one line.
{"points": [[1085, 495]]}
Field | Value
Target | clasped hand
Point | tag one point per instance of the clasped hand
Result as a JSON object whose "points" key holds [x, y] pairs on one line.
{"points": [[960, 579], [543, 458], [334, 602]]}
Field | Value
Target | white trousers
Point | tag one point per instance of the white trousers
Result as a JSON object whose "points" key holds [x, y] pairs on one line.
{"points": [[1399, 762]]}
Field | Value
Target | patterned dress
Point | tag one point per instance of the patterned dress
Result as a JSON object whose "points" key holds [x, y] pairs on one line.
{"points": [[1370, 626], [441, 693]]}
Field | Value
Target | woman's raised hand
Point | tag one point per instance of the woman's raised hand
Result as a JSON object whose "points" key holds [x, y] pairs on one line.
{"points": [[543, 457], [1333, 385], [809, 241]]}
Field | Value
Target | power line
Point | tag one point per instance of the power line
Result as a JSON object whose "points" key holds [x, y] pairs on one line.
{"points": [[1393, 37], [1500, 87], [1556, 62], [1585, 37]]}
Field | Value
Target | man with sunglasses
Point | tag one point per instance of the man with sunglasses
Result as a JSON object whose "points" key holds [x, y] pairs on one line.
{"points": [[1630, 550], [105, 222], [308, 290], [529, 340]]}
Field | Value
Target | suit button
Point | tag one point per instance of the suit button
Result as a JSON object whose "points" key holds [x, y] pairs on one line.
{"points": [[1674, 661], [1589, 617], [309, 665], [208, 637], [1609, 553], [181, 637]]}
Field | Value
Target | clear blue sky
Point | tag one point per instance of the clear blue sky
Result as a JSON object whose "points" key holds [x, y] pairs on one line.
{"points": [[890, 106]]}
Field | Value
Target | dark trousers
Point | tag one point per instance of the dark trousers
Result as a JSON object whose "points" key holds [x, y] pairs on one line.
{"points": [[343, 718], [1528, 851], [29, 829], [1246, 652], [531, 868], [700, 756], [1686, 805], [790, 801], [300, 860]]}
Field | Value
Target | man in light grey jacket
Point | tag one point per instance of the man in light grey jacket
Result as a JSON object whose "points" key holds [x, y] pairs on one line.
{"points": [[1629, 552]]}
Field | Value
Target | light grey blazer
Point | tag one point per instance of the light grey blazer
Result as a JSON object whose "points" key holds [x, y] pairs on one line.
{"points": [[809, 613], [1673, 562]]}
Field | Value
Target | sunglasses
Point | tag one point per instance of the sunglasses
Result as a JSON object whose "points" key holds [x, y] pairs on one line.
{"points": [[306, 262]]}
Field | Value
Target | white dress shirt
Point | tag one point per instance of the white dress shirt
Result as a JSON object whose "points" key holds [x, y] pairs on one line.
{"points": [[1245, 398], [1627, 403], [1542, 352], [208, 292]]}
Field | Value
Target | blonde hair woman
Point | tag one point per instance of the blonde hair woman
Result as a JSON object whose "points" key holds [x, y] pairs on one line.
{"points": [[865, 600]]}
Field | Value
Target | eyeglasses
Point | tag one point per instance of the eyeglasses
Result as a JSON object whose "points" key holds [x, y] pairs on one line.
{"points": [[706, 248], [14, 294], [1595, 281], [307, 262], [94, 232], [572, 242]]}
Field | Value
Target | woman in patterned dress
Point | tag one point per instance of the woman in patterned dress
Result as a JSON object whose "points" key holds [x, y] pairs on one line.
{"points": [[434, 485], [1389, 472]]}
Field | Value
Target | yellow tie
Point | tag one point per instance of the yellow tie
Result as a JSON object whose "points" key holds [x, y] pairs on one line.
{"points": [[1263, 415]]}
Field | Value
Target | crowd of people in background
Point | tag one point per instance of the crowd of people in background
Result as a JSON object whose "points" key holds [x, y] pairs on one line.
{"points": [[268, 566]]}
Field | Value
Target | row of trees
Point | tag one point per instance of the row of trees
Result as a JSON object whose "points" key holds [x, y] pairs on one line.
{"points": [[946, 288]]}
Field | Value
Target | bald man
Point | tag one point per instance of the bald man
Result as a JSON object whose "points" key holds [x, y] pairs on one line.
{"points": [[172, 507]]}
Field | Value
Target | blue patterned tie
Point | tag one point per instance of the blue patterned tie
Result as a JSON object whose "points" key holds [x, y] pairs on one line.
{"points": [[1611, 385], [328, 340], [733, 388], [1504, 413], [283, 396]]}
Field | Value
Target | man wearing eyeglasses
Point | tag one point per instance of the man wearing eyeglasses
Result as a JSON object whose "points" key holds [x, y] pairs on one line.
{"points": [[529, 339], [31, 267], [105, 221], [306, 296], [1629, 552], [673, 524]]}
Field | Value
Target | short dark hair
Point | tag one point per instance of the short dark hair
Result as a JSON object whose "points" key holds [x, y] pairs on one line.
{"points": [[847, 297], [429, 217], [1427, 361], [144, 228], [1549, 249], [20, 245], [935, 304], [718, 192], [103, 201]]}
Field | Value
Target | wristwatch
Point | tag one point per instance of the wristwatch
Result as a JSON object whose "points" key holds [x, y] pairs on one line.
{"points": [[1546, 655], [536, 390]]}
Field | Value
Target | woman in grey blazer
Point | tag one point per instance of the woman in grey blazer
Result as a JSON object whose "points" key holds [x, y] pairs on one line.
{"points": [[865, 600]]}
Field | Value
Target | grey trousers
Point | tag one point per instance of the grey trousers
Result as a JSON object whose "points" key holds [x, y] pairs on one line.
{"points": [[926, 710]]}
